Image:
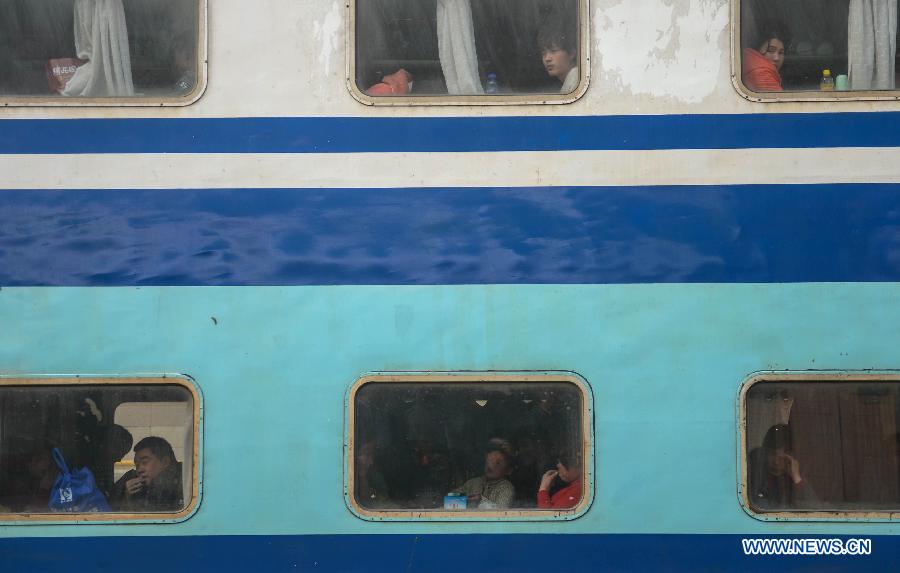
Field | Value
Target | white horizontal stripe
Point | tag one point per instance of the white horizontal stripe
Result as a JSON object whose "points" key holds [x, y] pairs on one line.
{"points": [[506, 169]]}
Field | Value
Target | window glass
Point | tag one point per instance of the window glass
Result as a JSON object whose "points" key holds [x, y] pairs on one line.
{"points": [[98, 48], [827, 446], [135, 442], [821, 47], [468, 447], [467, 47]]}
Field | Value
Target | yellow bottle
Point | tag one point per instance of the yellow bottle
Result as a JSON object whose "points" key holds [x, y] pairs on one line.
{"points": [[827, 84]]}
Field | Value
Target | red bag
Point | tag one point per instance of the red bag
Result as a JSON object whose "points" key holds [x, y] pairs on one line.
{"points": [[60, 71]]}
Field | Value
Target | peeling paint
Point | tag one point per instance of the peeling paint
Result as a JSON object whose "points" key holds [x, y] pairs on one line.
{"points": [[326, 33], [662, 48]]}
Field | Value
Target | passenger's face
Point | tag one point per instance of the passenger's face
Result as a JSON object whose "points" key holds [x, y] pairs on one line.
{"points": [[773, 50], [557, 62], [567, 474], [147, 465], [778, 462], [495, 466]]}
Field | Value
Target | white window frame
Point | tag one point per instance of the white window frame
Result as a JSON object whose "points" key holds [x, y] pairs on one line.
{"points": [[789, 96], [584, 47], [133, 101]]}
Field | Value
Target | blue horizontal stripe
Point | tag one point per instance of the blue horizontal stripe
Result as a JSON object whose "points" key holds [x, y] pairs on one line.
{"points": [[719, 234], [425, 553], [357, 134]]}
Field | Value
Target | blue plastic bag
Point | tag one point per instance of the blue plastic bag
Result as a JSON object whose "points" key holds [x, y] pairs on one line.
{"points": [[75, 492]]}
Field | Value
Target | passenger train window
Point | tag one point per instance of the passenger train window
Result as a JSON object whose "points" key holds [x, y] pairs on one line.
{"points": [[101, 51], [469, 447], [104, 449], [817, 50], [822, 446], [469, 51]]}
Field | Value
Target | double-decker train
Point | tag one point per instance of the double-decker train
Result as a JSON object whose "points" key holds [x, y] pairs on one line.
{"points": [[449, 285]]}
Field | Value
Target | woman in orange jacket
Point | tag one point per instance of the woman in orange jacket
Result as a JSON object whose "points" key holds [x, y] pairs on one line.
{"points": [[761, 68]]}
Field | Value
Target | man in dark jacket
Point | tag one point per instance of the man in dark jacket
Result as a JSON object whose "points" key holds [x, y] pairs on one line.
{"points": [[155, 483]]}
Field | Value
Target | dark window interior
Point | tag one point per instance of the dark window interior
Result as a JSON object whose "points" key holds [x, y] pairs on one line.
{"points": [[422, 440], [162, 40], [79, 420]]}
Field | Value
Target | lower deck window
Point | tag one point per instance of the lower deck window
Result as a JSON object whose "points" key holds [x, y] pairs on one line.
{"points": [[127, 449], [823, 446], [486, 447]]}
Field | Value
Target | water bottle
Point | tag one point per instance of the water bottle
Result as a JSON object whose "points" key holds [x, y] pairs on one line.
{"points": [[827, 84], [491, 87]]}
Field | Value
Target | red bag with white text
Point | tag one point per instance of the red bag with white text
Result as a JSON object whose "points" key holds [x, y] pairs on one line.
{"points": [[60, 71]]}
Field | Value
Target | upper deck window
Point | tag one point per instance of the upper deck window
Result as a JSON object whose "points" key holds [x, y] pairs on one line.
{"points": [[822, 446], [469, 51], [130, 446], [90, 52], [817, 50], [469, 447]]}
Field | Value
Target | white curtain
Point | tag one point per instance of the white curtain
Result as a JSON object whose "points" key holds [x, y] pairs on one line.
{"points": [[101, 37], [456, 44], [872, 44]]}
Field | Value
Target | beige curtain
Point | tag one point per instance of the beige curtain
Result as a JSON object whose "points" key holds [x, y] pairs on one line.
{"points": [[872, 44]]}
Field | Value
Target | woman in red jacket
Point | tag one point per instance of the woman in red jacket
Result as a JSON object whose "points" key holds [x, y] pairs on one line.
{"points": [[761, 68], [568, 470]]}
